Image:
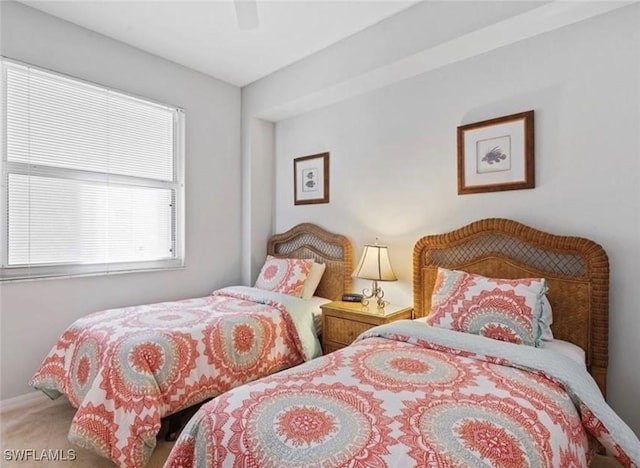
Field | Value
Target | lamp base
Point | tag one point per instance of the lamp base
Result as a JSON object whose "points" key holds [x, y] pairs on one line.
{"points": [[376, 293]]}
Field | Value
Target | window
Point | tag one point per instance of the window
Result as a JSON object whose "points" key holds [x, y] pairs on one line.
{"points": [[92, 179]]}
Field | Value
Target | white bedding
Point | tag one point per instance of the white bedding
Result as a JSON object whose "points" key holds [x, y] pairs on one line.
{"points": [[316, 302], [567, 349]]}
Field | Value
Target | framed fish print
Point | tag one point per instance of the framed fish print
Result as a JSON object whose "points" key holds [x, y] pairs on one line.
{"points": [[311, 179], [496, 155]]}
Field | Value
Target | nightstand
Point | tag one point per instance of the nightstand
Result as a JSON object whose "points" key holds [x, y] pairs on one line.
{"points": [[342, 322]]}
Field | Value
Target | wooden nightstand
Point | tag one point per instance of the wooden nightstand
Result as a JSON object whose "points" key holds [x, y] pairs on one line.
{"points": [[342, 322]]}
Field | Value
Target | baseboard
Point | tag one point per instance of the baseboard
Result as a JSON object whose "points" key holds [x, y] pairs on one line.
{"points": [[27, 398]]}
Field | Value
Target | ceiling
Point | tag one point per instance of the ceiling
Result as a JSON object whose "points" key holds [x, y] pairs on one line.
{"points": [[204, 35]]}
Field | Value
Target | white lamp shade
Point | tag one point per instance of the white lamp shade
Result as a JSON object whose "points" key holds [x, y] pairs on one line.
{"points": [[375, 264]]}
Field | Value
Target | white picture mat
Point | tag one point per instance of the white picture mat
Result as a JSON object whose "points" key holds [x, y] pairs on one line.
{"points": [[517, 172], [315, 165]]}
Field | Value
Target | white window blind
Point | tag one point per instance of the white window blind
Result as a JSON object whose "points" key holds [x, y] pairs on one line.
{"points": [[92, 178]]}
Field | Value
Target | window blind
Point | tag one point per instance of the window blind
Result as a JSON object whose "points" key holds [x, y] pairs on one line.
{"points": [[92, 179]]}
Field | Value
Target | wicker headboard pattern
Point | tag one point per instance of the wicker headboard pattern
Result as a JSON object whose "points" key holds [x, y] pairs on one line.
{"points": [[576, 269], [311, 241]]}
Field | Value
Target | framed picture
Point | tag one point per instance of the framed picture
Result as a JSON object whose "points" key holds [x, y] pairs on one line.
{"points": [[311, 179], [496, 154]]}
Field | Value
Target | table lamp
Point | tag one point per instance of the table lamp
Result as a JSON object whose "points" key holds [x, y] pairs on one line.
{"points": [[374, 265]]}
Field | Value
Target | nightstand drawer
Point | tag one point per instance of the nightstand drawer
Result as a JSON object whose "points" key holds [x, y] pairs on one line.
{"points": [[343, 322], [344, 331]]}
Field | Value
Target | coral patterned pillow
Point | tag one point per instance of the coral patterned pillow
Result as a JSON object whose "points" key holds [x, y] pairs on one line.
{"points": [[506, 310], [284, 275]]}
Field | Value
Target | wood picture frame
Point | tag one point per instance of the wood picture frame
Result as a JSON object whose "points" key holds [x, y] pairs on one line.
{"points": [[497, 154], [311, 179]]}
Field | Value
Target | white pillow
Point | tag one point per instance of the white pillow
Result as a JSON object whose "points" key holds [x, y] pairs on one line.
{"points": [[546, 319], [313, 280]]}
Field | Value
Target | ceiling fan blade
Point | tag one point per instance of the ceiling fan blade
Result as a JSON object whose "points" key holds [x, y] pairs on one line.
{"points": [[247, 14]]}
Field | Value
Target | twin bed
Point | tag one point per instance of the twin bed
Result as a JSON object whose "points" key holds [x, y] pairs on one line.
{"points": [[431, 391], [126, 369]]}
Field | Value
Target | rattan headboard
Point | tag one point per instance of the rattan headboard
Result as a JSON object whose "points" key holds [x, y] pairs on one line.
{"points": [[310, 241], [576, 269]]}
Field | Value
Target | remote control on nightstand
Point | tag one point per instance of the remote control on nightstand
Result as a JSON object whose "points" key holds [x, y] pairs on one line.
{"points": [[352, 297]]}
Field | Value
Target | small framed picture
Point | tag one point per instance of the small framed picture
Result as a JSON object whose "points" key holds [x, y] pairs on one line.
{"points": [[311, 179], [496, 154]]}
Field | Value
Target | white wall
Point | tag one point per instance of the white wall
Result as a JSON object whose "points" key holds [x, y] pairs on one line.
{"points": [[34, 313], [393, 161], [330, 75]]}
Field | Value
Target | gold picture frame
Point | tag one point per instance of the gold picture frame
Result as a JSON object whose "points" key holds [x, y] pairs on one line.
{"points": [[496, 154], [311, 179]]}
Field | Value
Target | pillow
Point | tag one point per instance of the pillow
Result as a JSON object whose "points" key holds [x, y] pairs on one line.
{"points": [[501, 309], [284, 275], [546, 320], [313, 280]]}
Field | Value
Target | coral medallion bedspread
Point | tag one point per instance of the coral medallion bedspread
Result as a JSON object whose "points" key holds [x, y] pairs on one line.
{"points": [[125, 369], [417, 397]]}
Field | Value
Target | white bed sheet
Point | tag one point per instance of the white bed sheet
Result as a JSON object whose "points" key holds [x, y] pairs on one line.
{"points": [[570, 350], [316, 302]]}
